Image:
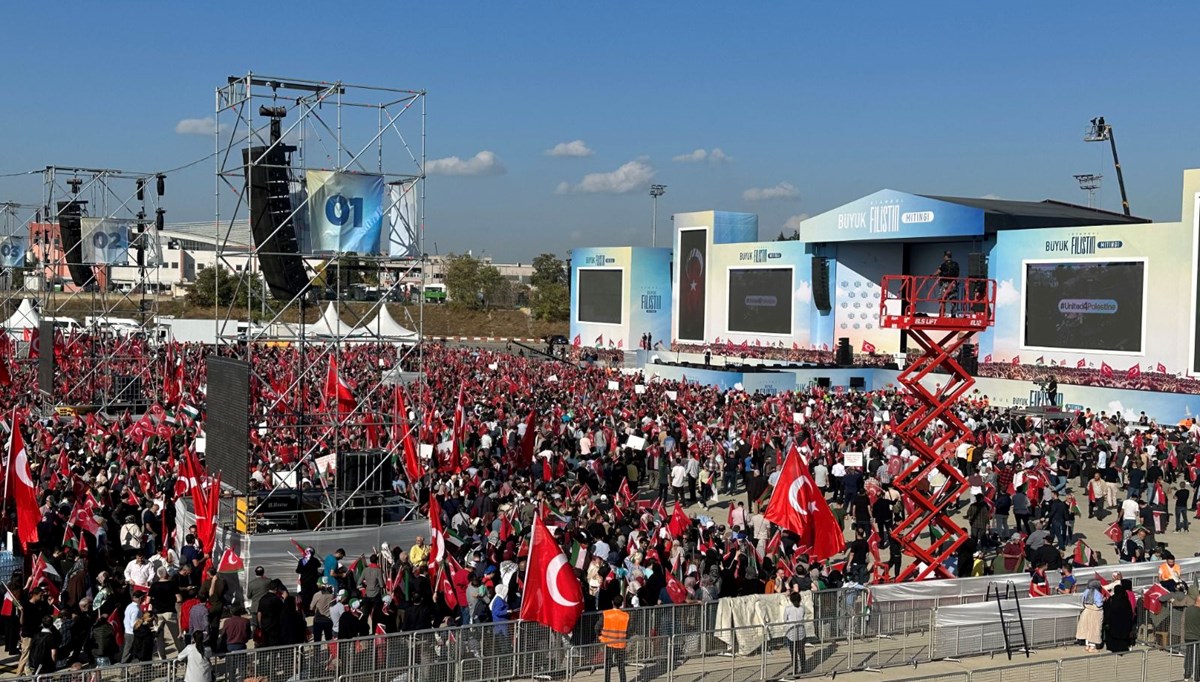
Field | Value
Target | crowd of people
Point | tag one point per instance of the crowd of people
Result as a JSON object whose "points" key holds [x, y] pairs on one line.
{"points": [[656, 491]]}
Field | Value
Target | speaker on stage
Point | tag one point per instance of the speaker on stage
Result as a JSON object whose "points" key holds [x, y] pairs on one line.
{"points": [[272, 222], [46, 359], [820, 284], [70, 230], [372, 470], [845, 355], [968, 357], [824, 382], [859, 383]]}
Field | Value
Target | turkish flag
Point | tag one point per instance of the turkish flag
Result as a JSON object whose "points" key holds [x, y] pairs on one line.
{"points": [[676, 590], [230, 562], [527, 442], [987, 359], [1105, 370], [412, 465], [1161, 368], [1114, 532], [1081, 363], [1016, 359], [553, 597], [1133, 372], [1151, 598], [456, 440], [337, 391], [5, 375], [24, 490], [868, 347], [798, 506], [437, 535], [679, 522]]}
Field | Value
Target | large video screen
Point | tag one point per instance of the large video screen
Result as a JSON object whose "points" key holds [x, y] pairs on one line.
{"points": [[600, 296], [1086, 306], [693, 274], [760, 300]]}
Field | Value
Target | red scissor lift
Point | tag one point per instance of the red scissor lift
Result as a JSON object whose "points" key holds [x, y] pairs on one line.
{"points": [[940, 315]]}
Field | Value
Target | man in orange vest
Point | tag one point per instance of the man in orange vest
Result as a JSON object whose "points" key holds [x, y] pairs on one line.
{"points": [[614, 634]]}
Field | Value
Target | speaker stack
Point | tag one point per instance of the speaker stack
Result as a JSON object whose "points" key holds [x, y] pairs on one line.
{"points": [[272, 222], [820, 284], [70, 230], [845, 355]]}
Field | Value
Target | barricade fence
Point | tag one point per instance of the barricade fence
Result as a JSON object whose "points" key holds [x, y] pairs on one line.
{"points": [[677, 642]]}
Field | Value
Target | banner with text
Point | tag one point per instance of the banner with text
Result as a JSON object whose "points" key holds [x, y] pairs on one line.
{"points": [[12, 250], [345, 211], [888, 214], [104, 241]]}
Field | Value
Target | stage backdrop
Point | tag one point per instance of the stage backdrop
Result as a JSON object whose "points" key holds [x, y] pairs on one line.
{"points": [[618, 294], [1116, 295]]}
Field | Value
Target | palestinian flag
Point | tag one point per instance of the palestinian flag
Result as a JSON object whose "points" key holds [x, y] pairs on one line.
{"points": [[191, 411], [1083, 555], [354, 572], [578, 555]]}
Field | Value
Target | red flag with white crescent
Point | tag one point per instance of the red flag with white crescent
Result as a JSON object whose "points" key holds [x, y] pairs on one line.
{"points": [[798, 506], [437, 534], [24, 490], [553, 595]]}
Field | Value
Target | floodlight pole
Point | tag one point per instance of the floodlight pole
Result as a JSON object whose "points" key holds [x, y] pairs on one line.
{"points": [[656, 191]]}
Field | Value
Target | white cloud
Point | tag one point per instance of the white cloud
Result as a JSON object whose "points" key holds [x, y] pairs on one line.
{"points": [[631, 177], [1007, 294], [196, 126], [803, 293], [991, 196], [572, 148], [784, 190], [715, 157], [483, 163], [793, 223]]}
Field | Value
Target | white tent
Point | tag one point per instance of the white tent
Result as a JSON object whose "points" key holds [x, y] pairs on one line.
{"points": [[385, 327], [25, 317], [330, 325]]}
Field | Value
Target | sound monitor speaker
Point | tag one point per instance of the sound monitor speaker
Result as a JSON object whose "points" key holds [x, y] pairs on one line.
{"points": [[46, 357], [844, 356], [372, 470], [820, 284], [858, 382], [968, 357], [271, 221], [227, 422], [823, 382], [70, 230], [127, 390]]}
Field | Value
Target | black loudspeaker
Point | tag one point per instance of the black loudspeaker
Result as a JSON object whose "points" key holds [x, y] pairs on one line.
{"points": [[968, 357], [845, 355], [823, 382], [70, 230], [127, 390], [372, 470], [858, 382], [271, 221], [820, 284], [46, 358]]}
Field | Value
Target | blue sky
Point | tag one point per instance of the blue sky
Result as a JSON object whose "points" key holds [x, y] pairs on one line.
{"points": [[811, 105]]}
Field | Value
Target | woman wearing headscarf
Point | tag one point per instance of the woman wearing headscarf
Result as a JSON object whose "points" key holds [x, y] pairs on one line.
{"points": [[1091, 619], [1118, 621], [500, 617]]}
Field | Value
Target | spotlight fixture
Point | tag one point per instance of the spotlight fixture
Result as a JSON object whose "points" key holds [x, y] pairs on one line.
{"points": [[161, 184], [75, 184], [158, 218], [141, 189]]}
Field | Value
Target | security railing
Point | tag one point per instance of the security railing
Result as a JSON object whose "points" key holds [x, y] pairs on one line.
{"points": [[675, 642]]}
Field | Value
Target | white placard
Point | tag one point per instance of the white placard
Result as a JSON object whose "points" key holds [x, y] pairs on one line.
{"points": [[672, 395], [639, 388], [425, 450], [885, 416], [201, 443], [552, 379], [614, 386], [325, 463], [493, 366], [445, 446], [852, 459], [797, 417], [636, 442], [739, 387], [283, 479]]}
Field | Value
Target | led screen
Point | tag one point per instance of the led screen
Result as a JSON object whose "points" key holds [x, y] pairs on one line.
{"points": [[1085, 306], [760, 300], [600, 296]]}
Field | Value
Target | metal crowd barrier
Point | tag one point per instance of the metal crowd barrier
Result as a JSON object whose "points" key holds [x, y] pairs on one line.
{"points": [[668, 643]]}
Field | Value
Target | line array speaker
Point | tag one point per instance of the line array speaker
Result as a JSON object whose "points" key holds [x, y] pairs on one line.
{"points": [[70, 230], [271, 220], [820, 284]]}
